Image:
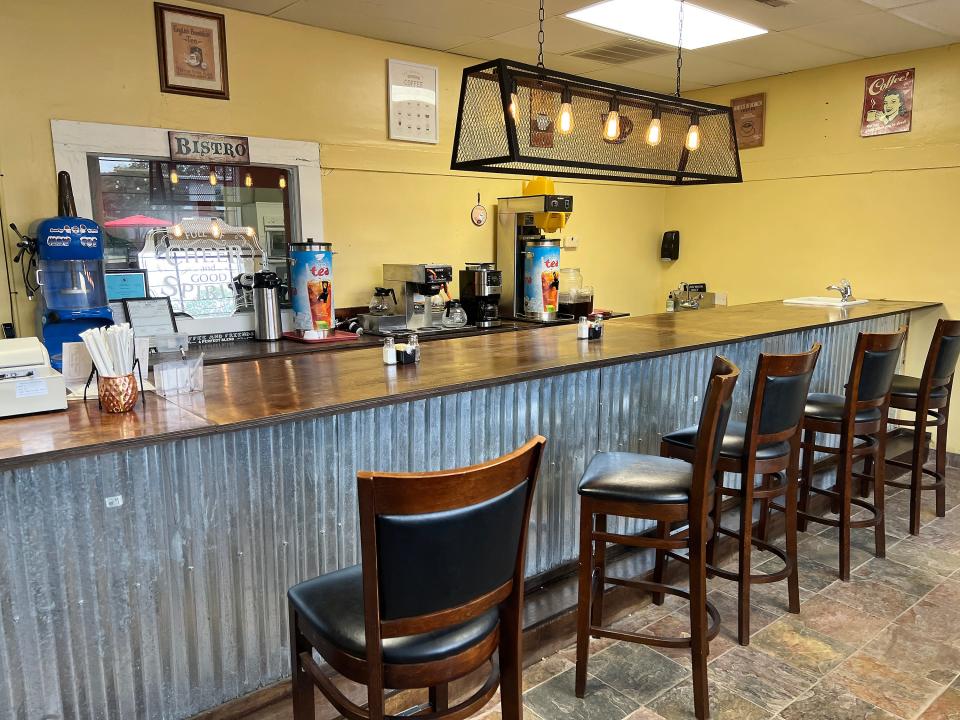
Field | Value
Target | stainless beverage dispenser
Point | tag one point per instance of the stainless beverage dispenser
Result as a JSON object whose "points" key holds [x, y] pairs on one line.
{"points": [[529, 261]]}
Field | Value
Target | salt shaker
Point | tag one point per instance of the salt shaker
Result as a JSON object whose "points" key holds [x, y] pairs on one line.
{"points": [[389, 352], [414, 344], [583, 328]]}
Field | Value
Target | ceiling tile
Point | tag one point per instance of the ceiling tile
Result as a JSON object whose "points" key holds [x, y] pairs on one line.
{"points": [[334, 16], [890, 4], [631, 77], [491, 49], [940, 15], [473, 18], [698, 68], [551, 7], [260, 7], [561, 36], [803, 12], [777, 53], [878, 33]]}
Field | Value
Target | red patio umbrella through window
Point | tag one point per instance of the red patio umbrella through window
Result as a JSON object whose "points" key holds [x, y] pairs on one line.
{"points": [[137, 221]]}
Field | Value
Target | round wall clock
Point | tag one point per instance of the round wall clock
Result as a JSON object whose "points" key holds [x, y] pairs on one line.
{"points": [[479, 213]]}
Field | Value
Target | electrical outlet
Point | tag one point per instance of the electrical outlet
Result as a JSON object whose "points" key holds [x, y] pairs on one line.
{"points": [[570, 243], [720, 298], [114, 501]]}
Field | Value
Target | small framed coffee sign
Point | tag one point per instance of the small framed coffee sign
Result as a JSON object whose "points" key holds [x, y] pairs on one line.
{"points": [[207, 148], [748, 119], [192, 51]]}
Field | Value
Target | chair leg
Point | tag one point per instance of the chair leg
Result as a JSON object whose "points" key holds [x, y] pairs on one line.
{"points": [[880, 494], [699, 646], [916, 470], [806, 477], [439, 697], [376, 704], [942, 463], [714, 539], [766, 483], [746, 547], [511, 658], [599, 573], [303, 699], [660, 564], [845, 488], [584, 596], [790, 533]]}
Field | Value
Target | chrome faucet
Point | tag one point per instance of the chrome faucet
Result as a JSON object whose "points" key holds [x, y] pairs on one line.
{"points": [[846, 292]]}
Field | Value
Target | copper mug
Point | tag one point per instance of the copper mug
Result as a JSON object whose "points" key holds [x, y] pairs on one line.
{"points": [[118, 394]]}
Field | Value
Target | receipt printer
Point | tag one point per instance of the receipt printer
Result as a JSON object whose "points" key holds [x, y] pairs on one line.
{"points": [[27, 382]]}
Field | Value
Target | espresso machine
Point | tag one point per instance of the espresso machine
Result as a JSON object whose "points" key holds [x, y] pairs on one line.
{"points": [[528, 259], [480, 286], [415, 287]]}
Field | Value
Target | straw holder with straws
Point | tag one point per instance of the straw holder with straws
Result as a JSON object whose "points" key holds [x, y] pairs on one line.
{"points": [[112, 352]]}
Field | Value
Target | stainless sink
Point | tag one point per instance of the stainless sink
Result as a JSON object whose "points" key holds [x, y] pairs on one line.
{"points": [[834, 302]]}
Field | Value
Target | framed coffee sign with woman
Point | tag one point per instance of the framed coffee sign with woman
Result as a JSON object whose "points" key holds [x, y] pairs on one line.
{"points": [[191, 51], [887, 103]]}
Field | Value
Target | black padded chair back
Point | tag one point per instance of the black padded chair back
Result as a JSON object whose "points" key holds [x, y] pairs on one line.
{"points": [[874, 365], [712, 427], [446, 546], [780, 395], [946, 353]]}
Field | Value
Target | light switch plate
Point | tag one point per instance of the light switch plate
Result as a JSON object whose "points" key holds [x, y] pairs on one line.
{"points": [[720, 298], [570, 243]]}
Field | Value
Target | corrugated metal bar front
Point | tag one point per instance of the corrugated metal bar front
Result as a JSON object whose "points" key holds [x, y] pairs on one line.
{"points": [[173, 602]]}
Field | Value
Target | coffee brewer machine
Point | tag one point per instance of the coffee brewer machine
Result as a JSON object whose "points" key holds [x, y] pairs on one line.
{"points": [[416, 287], [530, 261], [480, 286]]}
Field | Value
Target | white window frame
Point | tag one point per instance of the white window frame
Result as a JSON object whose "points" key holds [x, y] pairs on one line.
{"points": [[74, 141]]}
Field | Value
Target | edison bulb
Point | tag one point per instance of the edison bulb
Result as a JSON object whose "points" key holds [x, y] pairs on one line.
{"points": [[178, 231], [215, 230], [514, 105], [283, 182], [248, 180], [654, 132], [565, 119], [213, 178], [693, 137], [249, 231], [174, 177], [611, 128]]}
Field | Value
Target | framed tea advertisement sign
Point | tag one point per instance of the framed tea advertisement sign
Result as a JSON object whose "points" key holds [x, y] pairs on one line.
{"points": [[887, 103], [191, 51]]}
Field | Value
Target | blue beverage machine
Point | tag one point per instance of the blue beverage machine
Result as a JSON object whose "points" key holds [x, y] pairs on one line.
{"points": [[70, 276]]}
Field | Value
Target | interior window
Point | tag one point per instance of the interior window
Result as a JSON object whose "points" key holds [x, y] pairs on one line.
{"points": [[133, 195]]}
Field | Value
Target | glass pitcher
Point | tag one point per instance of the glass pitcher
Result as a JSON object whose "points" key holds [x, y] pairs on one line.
{"points": [[454, 316], [380, 302]]}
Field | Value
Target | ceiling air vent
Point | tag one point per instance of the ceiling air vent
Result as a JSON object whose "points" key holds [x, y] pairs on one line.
{"points": [[623, 51], [776, 3]]}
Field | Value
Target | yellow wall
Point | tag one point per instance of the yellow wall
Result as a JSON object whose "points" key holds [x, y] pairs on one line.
{"points": [[383, 201], [820, 203]]}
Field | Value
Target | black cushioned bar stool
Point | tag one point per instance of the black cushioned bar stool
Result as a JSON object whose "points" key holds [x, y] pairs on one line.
{"points": [[928, 397], [439, 591], [768, 444], [667, 491], [860, 414]]}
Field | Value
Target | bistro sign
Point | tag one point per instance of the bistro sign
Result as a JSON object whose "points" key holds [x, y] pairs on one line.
{"points": [[203, 147]]}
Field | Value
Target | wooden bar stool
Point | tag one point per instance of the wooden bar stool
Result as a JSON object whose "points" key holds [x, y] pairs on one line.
{"points": [[768, 444], [860, 414], [440, 590], [928, 397], [667, 491]]}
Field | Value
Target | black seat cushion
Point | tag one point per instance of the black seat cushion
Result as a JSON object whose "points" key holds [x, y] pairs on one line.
{"points": [[332, 605], [733, 442], [907, 386], [826, 406], [630, 477]]}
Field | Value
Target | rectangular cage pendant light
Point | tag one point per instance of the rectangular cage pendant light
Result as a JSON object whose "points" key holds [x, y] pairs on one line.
{"points": [[527, 120]]}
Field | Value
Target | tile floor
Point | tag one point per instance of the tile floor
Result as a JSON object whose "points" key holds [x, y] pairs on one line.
{"points": [[886, 645]]}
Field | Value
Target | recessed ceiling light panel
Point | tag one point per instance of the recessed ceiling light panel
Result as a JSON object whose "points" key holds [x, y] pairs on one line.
{"points": [[658, 20]]}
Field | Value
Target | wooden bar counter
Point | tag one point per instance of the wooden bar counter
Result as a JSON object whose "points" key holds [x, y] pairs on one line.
{"points": [[250, 393], [149, 553]]}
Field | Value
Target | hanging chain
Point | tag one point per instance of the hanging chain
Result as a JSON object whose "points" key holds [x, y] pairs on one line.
{"points": [[540, 37], [680, 49]]}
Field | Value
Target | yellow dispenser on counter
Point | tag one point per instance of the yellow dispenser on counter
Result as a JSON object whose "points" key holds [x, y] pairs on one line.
{"points": [[548, 222]]}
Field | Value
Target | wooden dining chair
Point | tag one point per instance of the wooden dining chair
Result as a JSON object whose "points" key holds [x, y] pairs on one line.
{"points": [[668, 492], [928, 398], [438, 593]]}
